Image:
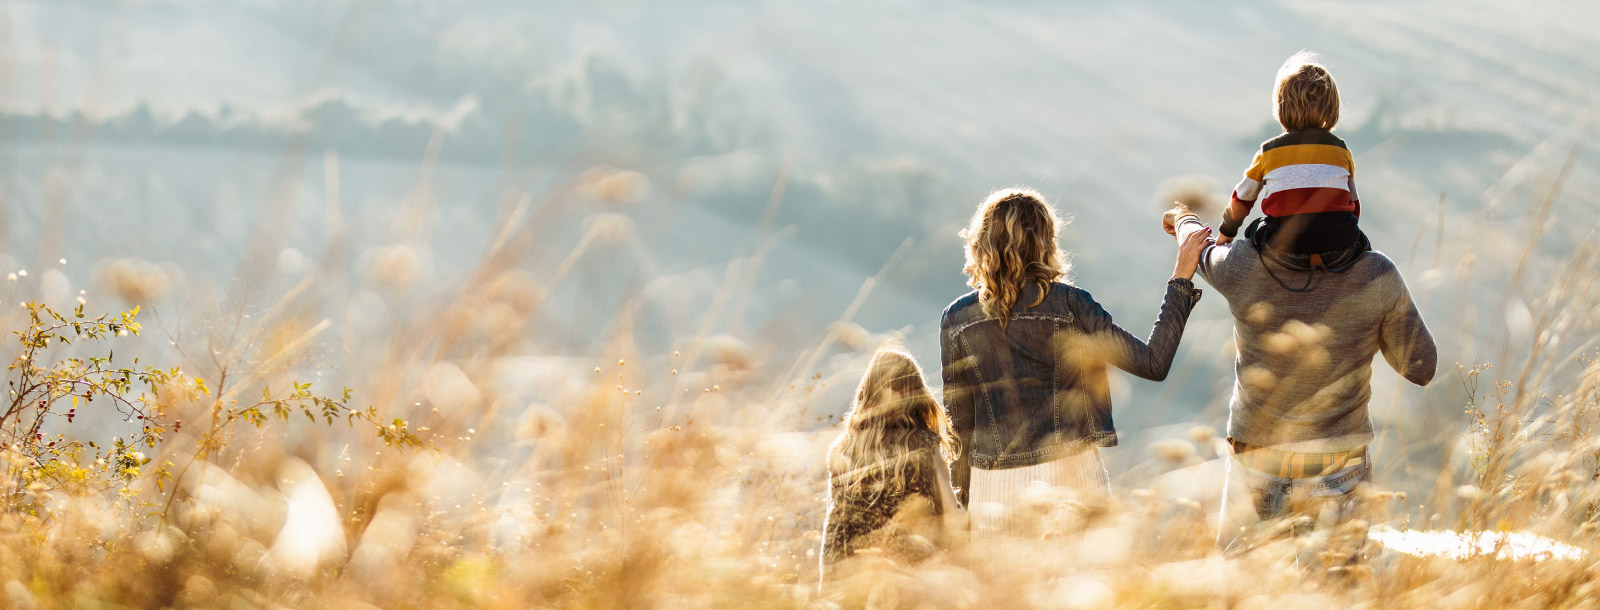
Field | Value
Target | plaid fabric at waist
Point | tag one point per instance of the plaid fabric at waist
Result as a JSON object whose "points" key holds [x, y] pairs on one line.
{"points": [[1293, 465]]}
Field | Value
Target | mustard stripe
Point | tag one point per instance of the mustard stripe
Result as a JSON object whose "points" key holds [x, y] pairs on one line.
{"points": [[1321, 154], [1256, 171]]}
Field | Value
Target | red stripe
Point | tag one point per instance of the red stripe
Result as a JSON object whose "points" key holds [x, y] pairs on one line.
{"points": [[1247, 204], [1308, 201]]}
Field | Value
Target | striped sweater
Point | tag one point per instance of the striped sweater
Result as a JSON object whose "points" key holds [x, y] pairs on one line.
{"points": [[1304, 178]]}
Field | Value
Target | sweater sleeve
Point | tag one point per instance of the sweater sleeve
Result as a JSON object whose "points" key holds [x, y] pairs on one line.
{"points": [[1355, 199], [1405, 341], [1250, 185], [1213, 260], [1150, 359], [959, 405]]}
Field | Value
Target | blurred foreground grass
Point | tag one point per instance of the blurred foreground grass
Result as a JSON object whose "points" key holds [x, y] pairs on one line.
{"points": [[486, 474]]}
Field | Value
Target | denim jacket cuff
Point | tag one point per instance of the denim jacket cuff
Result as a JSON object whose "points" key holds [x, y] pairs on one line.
{"points": [[1187, 288]]}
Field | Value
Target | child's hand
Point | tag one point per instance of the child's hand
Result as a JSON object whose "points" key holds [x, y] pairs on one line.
{"points": [[1223, 240], [1189, 250], [1169, 220]]}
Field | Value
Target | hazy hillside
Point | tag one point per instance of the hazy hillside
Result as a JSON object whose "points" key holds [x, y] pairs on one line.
{"points": [[186, 132]]}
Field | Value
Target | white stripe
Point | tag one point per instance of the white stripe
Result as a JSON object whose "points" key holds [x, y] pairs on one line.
{"points": [[1305, 176], [1247, 189]]}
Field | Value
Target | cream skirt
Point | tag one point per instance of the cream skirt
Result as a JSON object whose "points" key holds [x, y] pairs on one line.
{"points": [[1014, 501]]}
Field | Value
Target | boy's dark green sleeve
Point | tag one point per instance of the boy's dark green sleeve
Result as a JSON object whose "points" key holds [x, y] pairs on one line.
{"points": [[1230, 225]]}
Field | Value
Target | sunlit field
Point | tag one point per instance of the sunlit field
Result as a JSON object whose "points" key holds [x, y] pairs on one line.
{"points": [[574, 330], [485, 476]]}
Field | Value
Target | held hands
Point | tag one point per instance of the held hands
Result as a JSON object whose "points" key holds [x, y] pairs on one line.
{"points": [[1190, 246], [1169, 220], [1189, 250]]}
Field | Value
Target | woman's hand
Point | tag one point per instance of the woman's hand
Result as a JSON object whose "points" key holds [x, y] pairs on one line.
{"points": [[1189, 249]]}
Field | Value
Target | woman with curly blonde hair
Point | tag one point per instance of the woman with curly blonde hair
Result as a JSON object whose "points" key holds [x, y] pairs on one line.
{"points": [[1025, 357]]}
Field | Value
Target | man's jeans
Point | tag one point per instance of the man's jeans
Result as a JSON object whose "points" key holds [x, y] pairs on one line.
{"points": [[1257, 507]]}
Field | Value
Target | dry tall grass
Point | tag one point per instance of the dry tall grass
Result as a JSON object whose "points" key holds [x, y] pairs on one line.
{"points": [[693, 478]]}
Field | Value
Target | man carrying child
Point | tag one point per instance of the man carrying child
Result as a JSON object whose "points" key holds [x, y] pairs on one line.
{"points": [[1312, 304]]}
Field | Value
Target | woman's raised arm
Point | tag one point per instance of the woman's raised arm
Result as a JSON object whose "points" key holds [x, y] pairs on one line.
{"points": [[1152, 358]]}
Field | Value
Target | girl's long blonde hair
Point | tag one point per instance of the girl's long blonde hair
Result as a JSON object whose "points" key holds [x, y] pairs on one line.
{"points": [[892, 404], [1011, 244]]}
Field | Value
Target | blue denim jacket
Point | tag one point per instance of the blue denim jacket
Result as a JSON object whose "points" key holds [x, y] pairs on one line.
{"points": [[1037, 388]]}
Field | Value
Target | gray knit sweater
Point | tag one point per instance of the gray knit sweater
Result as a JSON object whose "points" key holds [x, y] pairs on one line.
{"points": [[1304, 364]]}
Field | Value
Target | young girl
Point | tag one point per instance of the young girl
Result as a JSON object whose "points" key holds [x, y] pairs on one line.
{"points": [[1303, 177], [888, 472]]}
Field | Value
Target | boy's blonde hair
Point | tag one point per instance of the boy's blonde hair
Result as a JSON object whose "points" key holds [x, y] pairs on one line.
{"points": [[1305, 96]]}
